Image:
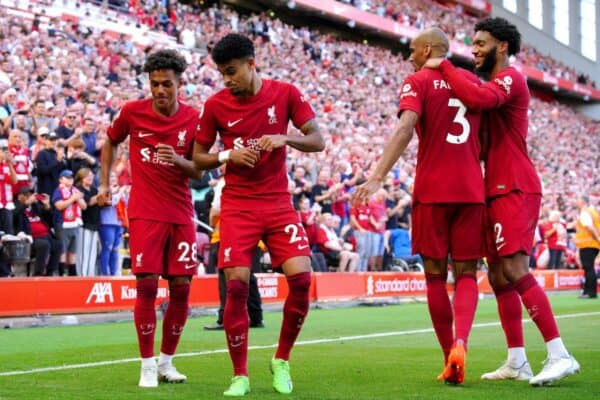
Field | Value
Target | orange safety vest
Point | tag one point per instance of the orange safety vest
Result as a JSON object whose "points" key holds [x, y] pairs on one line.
{"points": [[583, 237]]}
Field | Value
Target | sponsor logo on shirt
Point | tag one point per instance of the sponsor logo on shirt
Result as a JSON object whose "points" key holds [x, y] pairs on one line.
{"points": [[407, 91], [238, 143], [505, 83], [271, 115], [150, 156]]}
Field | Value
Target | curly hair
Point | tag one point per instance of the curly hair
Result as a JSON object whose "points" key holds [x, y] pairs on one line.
{"points": [[232, 47], [165, 60], [502, 30]]}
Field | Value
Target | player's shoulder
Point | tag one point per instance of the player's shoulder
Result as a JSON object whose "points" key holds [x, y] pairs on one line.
{"points": [[137, 105], [187, 109], [510, 75], [510, 79]]}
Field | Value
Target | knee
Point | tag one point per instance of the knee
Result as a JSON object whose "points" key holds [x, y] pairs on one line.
{"points": [[237, 289], [299, 283], [147, 288], [179, 292]]}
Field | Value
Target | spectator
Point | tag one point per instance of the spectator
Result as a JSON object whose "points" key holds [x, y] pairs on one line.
{"points": [[111, 229], [77, 158], [377, 220], [49, 163], [555, 234], [360, 215], [332, 246], [398, 245], [33, 216], [68, 202], [20, 160], [87, 247]]}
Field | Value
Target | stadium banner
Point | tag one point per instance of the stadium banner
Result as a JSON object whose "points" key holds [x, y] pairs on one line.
{"points": [[53, 295]]}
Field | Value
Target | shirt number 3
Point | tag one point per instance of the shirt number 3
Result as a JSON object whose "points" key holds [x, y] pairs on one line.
{"points": [[460, 119]]}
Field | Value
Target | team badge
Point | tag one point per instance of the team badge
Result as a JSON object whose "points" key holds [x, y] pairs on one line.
{"points": [[271, 115], [181, 138]]}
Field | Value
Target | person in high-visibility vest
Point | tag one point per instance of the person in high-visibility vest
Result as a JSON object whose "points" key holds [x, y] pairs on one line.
{"points": [[587, 240]]}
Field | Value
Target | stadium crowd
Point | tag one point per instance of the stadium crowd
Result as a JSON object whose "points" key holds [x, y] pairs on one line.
{"points": [[458, 24], [61, 85]]}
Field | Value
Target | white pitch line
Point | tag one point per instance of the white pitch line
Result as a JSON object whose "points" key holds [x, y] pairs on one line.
{"points": [[270, 346]]}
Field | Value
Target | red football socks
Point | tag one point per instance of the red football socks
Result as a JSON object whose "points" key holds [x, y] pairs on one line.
{"points": [[535, 300], [235, 322], [144, 315], [511, 314], [294, 311], [465, 304], [440, 311], [175, 317]]}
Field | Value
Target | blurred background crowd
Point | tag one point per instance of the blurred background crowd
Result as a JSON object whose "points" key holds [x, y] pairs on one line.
{"points": [[62, 83]]}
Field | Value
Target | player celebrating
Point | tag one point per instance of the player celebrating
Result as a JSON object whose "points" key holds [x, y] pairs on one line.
{"points": [[162, 233], [513, 193], [251, 116], [448, 200]]}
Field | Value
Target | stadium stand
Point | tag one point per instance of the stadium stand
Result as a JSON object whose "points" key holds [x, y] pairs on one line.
{"points": [[68, 59]]}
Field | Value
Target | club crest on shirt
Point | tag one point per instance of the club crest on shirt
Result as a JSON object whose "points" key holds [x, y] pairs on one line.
{"points": [[271, 115], [138, 259], [181, 138]]}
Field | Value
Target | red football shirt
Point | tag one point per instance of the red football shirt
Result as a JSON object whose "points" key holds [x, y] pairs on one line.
{"points": [[508, 166], [448, 169], [159, 190], [241, 122]]}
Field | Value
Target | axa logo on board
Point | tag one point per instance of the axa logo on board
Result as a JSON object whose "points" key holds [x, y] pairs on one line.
{"points": [[102, 293]]}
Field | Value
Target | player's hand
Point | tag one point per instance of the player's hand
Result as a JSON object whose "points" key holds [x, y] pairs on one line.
{"points": [[104, 197], [246, 157], [272, 142], [166, 153], [433, 63], [366, 190]]}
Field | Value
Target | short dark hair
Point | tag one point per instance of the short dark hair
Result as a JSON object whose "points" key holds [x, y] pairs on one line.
{"points": [[165, 60], [502, 30], [232, 47]]}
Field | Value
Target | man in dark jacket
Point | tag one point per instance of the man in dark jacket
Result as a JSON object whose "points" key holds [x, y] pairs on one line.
{"points": [[49, 163], [33, 216]]}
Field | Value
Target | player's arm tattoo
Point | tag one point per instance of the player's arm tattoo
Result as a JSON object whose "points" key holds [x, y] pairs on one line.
{"points": [[312, 140]]}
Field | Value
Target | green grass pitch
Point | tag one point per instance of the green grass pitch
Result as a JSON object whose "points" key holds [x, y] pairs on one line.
{"points": [[350, 353]]}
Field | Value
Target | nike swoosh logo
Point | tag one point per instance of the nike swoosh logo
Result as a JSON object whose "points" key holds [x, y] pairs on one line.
{"points": [[230, 124], [302, 247], [190, 266], [145, 134]]}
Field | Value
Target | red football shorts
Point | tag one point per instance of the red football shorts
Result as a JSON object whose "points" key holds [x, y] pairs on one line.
{"points": [[280, 229], [454, 229], [162, 248], [511, 223]]}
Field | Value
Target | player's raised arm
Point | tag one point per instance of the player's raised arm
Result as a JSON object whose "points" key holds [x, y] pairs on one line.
{"points": [[475, 97], [400, 139]]}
